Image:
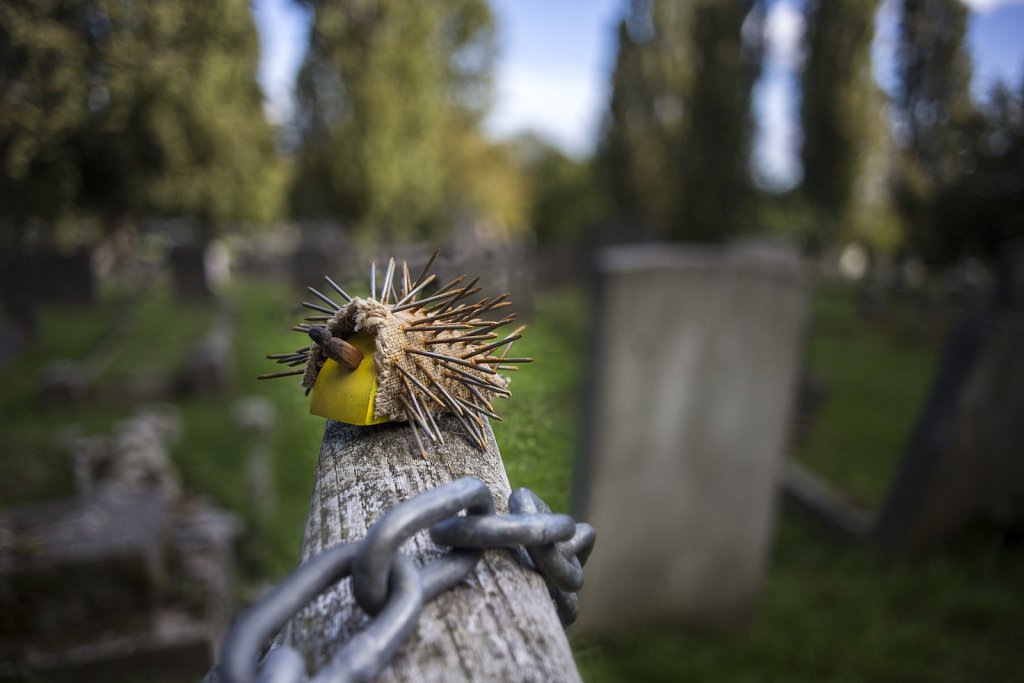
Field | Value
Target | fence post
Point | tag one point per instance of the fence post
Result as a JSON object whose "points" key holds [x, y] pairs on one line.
{"points": [[498, 625]]}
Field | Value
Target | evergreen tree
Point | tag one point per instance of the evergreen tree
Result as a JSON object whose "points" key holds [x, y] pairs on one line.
{"points": [[380, 86], [651, 81], [983, 207], [44, 94], [838, 107], [134, 108], [935, 114], [180, 129], [715, 152], [674, 152]]}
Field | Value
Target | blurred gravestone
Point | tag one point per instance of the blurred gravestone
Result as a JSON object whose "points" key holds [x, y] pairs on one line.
{"points": [[67, 277], [188, 271], [693, 378], [965, 459], [128, 580]]}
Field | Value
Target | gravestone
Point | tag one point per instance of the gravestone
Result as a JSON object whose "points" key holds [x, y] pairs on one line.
{"points": [[692, 383], [965, 458], [130, 579], [188, 271]]}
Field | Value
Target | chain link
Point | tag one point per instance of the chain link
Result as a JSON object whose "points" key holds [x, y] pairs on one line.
{"points": [[388, 587]]}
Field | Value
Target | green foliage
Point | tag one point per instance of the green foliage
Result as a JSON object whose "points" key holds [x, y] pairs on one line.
{"points": [[714, 156], [43, 88], [935, 113], [983, 207], [135, 108], [565, 198], [482, 181], [183, 132], [675, 149], [381, 85], [537, 434], [838, 108]]}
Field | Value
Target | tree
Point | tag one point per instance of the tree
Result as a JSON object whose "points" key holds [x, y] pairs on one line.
{"points": [[132, 107], [714, 155], [838, 107], [674, 152], [565, 200], [44, 91], [934, 114], [982, 209], [651, 80], [179, 129], [380, 85]]}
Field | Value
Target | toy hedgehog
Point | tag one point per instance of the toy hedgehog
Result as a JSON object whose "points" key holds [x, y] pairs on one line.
{"points": [[393, 357]]}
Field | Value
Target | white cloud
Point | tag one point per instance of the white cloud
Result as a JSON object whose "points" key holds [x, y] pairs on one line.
{"points": [[784, 31], [562, 105], [983, 6]]}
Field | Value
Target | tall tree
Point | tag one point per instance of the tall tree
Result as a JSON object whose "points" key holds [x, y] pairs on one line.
{"points": [[132, 107], [652, 76], [43, 107], [838, 106], [982, 209], [934, 110], [178, 126], [714, 157], [375, 96], [674, 151]]}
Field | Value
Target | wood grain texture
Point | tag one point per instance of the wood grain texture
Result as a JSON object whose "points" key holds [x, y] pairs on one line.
{"points": [[497, 625]]}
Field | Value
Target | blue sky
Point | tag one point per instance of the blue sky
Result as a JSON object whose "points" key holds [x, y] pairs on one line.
{"points": [[556, 56]]}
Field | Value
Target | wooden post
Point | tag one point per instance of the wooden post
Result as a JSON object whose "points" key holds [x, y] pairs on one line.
{"points": [[497, 625]]}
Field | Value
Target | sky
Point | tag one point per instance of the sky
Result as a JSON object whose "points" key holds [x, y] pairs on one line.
{"points": [[555, 59]]}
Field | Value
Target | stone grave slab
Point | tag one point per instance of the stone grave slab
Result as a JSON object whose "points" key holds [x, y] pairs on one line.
{"points": [[692, 384]]}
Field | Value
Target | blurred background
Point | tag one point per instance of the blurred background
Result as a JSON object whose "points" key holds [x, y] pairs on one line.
{"points": [[173, 173]]}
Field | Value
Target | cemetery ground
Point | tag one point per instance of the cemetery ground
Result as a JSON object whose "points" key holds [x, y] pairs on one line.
{"points": [[829, 611]]}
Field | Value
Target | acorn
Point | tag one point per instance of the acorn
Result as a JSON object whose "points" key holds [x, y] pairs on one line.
{"points": [[434, 353]]}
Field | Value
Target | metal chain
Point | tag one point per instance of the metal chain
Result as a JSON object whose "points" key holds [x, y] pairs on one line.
{"points": [[392, 591]]}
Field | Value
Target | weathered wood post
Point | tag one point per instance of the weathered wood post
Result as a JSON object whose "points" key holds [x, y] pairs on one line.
{"points": [[387, 370], [498, 625]]}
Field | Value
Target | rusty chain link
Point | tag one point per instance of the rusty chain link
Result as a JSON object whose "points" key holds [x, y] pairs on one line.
{"points": [[392, 591]]}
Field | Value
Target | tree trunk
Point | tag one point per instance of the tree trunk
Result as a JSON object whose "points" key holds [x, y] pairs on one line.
{"points": [[497, 625]]}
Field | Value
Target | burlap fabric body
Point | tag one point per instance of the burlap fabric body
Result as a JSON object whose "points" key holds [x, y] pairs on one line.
{"points": [[392, 345]]}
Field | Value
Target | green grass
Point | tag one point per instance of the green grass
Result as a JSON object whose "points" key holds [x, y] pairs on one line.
{"points": [[538, 433], [828, 612], [838, 613], [154, 335], [833, 612], [876, 374]]}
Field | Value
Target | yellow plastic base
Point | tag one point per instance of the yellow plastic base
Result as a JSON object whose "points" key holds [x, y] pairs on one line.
{"points": [[348, 395]]}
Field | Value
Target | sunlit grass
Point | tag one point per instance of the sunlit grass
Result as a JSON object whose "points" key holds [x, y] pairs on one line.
{"points": [[828, 612]]}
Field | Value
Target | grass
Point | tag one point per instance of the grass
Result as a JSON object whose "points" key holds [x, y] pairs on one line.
{"points": [[838, 613], [828, 612], [876, 374], [833, 612], [538, 432]]}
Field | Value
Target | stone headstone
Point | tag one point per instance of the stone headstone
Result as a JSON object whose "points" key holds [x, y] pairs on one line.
{"points": [[131, 579], [965, 459], [188, 271], [70, 568], [692, 381]]}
